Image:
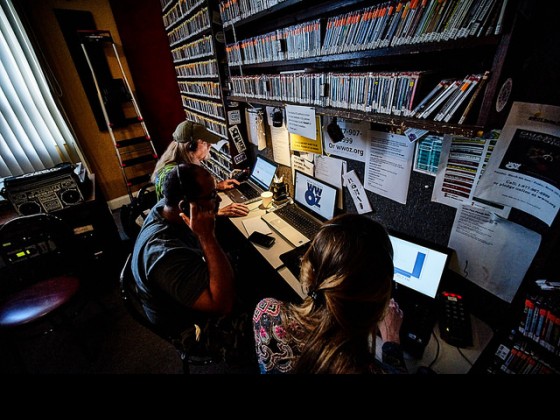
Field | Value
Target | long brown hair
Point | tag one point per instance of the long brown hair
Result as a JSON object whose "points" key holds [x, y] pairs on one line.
{"points": [[347, 270], [175, 153]]}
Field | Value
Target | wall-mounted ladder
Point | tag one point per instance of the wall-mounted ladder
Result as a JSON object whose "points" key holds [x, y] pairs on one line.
{"points": [[133, 145]]}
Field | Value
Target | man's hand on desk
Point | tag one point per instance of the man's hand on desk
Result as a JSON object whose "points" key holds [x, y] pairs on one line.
{"points": [[234, 210]]}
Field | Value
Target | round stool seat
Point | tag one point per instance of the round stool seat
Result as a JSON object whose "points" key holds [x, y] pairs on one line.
{"points": [[37, 300]]}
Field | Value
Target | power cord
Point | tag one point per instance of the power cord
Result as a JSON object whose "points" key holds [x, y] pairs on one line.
{"points": [[437, 350], [463, 356]]}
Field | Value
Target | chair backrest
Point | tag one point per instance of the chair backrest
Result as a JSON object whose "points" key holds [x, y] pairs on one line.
{"points": [[130, 297], [132, 215], [33, 248]]}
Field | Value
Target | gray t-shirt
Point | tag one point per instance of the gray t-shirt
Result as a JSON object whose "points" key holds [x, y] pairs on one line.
{"points": [[169, 268]]}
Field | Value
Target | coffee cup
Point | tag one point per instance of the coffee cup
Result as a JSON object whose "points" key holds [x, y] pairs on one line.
{"points": [[266, 199]]}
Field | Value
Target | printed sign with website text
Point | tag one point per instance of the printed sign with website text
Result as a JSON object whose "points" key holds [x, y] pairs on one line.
{"points": [[354, 143]]}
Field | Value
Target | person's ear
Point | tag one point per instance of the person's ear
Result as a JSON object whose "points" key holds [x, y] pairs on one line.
{"points": [[184, 207]]}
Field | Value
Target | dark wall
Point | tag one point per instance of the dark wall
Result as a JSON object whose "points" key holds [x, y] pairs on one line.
{"points": [[146, 47]]}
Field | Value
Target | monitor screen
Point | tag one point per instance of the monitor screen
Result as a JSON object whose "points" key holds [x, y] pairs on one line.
{"points": [[263, 172], [315, 195], [418, 267]]}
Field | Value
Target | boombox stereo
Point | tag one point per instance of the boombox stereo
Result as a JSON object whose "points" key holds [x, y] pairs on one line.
{"points": [[44, 191]]}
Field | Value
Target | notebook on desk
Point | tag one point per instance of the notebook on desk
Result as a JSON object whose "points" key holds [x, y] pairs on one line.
{"points": [[419, 269], [314, 203], [259, 181]]}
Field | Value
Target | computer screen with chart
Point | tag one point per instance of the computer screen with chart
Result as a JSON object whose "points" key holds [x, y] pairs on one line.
{"points": [[419, 267]]}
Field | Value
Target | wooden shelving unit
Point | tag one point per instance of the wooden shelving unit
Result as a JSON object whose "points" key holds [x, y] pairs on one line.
{"points": [[195, 31]]}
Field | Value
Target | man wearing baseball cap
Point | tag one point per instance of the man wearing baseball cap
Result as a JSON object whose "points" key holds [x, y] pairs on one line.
{"points": [[191, 144]]}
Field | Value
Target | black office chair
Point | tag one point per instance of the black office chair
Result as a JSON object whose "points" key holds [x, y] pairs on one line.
{"points": [[39, 278], [129, 295], [132, 215]]}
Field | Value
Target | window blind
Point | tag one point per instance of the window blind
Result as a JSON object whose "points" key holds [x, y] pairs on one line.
{"points": [[33, 133]]}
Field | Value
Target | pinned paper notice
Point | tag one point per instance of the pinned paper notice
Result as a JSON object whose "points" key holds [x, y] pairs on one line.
{"points": [[357, 192]]}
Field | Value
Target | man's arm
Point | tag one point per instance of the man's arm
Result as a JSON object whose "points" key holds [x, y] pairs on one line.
{"points": [[219, 296]]}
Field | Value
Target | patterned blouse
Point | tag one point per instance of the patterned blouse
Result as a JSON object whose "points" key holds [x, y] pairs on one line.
{"points": [[279, 344]]}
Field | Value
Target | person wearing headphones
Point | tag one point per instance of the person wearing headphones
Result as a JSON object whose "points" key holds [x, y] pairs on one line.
{"points": [[191, 144], [182, 272]]}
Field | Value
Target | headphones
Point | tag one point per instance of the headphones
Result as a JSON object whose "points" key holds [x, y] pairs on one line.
{"points": [[184, 197], [192, 145]]}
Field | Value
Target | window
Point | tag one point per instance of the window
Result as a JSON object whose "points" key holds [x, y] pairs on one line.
{"points": [[33, 132]]}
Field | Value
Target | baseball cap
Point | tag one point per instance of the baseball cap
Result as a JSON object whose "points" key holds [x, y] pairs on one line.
{"points": [[188, 130]]}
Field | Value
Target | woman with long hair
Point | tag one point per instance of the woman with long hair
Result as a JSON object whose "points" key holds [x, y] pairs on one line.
{"points": [[347, 272]]}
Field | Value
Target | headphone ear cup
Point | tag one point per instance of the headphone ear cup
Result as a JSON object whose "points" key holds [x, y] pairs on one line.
{"points": [[193, 145]]}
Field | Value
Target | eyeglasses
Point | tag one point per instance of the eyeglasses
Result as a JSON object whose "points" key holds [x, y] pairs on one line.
{"points": [[212, 196]]}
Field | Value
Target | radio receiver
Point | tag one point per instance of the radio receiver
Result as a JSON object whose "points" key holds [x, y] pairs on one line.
{"points": [[44, 191]]}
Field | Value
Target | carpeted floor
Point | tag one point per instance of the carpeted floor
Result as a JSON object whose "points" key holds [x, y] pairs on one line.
{"points": [[104, 339]]}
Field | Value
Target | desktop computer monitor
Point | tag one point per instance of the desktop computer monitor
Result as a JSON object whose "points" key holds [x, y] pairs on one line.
{"points": [[419, 265], [419, 270]]}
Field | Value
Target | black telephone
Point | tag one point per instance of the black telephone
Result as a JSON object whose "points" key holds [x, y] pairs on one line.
{"points": [[262, 239], [241, 174], [454, 321]]}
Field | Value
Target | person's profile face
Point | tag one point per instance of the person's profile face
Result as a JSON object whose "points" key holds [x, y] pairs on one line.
{"points": [[202, 152], [208, 197]]}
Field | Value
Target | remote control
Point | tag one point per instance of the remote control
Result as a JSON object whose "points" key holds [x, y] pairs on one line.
{"points": [[455, 321]]}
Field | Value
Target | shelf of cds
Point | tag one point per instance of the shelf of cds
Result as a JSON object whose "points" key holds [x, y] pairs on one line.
{"points": [[194, 30], [433, 64]]}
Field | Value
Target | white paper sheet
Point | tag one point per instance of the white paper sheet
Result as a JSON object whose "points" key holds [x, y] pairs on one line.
{"points": [[492, 252], [280, 140], [524, 170], [302, 165], [256, 224], [354, 144], [301, 120], [388, 165], [255, 127], [330, 170], [357, 192]]}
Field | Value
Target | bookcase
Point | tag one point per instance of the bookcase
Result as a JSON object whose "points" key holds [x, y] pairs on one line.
{"points": [[195, 37], [375, 61]]}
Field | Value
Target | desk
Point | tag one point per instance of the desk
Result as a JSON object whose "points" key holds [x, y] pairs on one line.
{"points": [[449, 359], [272, 254]]}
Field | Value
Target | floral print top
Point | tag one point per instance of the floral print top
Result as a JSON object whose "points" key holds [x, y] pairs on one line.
{"points": [[279, 343]]}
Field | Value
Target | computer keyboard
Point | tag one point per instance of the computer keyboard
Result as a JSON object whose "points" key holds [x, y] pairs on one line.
{"points": [[418, 323], [247, 190], [299, 220]]}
